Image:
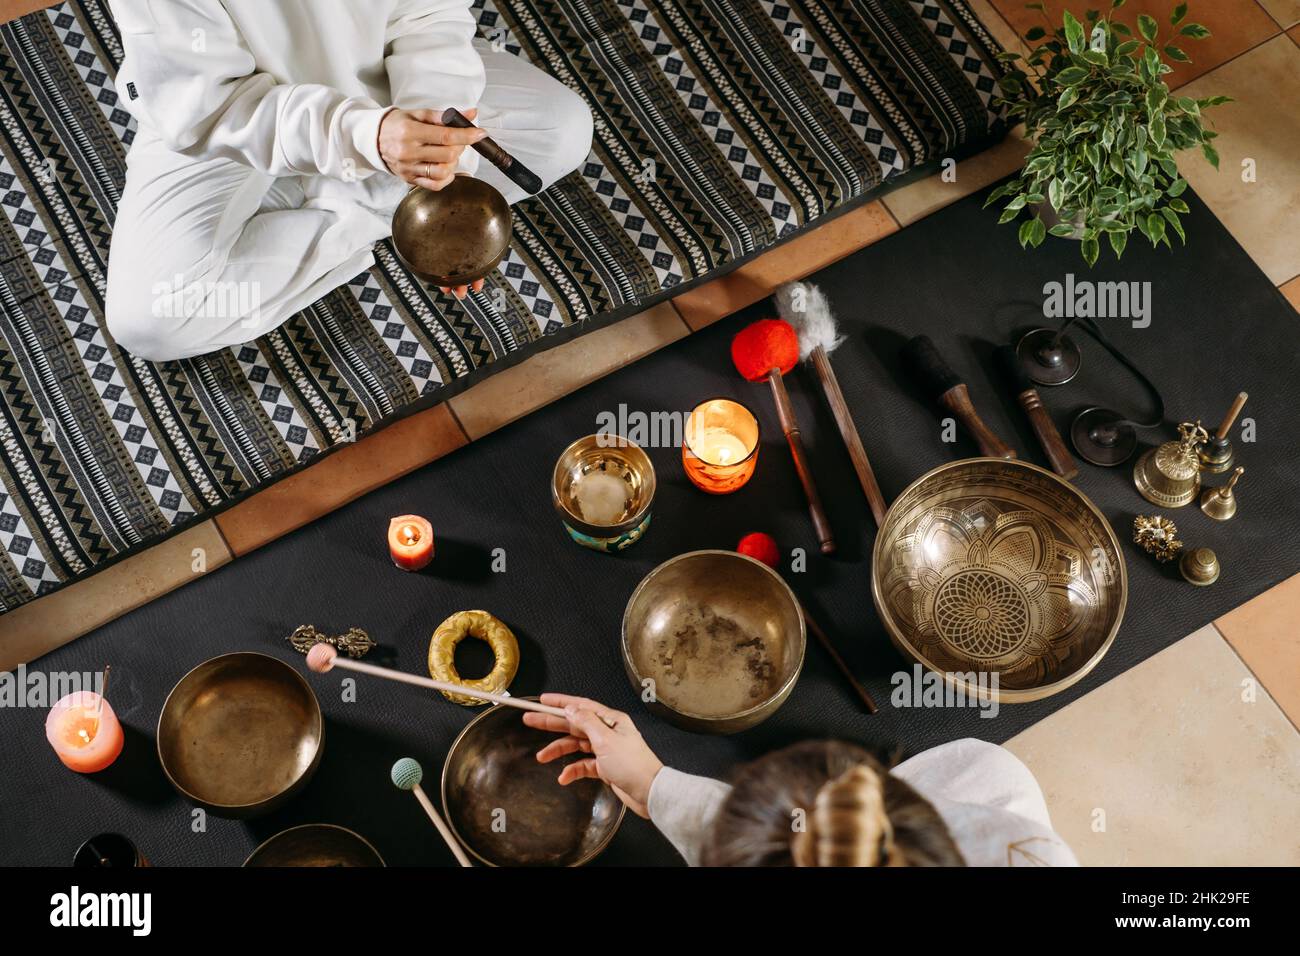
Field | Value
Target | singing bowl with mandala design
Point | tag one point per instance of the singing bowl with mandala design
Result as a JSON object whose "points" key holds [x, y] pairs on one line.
{"points": [[990, 566]]}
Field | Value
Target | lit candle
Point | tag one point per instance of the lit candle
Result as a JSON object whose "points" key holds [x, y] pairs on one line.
{"points": [[721, 446], [84, 732], [410, 542]]}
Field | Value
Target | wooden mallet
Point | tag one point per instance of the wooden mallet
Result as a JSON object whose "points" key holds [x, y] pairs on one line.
{"points": [[323, 657], [407, 774], [767, 350], [805, 307]]}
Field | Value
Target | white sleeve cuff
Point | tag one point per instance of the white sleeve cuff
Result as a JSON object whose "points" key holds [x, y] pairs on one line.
{"points": [[684, 807], [361, 128]]}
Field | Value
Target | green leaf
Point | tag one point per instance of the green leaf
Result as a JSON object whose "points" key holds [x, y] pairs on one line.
{"points": [[998, 193], [1127, 47], [1180, 11], [1175, 53], [1017, 203], [1173, 220], [1116, 4], [1118, 242], [1056, 193], [1007, 216], [1156, 98], [1096, 57], [1039, 232], [1073, 32], [1033, 6], [1035, 33], [1148, 27], [1158, 131], [1121, 29], [1063, 230], [1071, 76], [1177, 205], [1214, 101], [1195, 30], [1155, 228], [1068, 98], [1211, 154], [1091, 249]]}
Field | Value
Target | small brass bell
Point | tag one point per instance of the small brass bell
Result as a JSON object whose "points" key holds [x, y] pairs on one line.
{"points": [[1220, 503], [1170, 475]]}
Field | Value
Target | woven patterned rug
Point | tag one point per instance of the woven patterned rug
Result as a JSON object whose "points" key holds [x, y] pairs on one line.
{"points": [[722, 126]]}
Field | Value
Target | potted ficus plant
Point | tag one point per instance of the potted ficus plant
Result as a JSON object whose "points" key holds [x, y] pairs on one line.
{"points": [[1105, 129]]}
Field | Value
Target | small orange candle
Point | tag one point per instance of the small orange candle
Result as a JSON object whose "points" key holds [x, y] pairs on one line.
{"points": [[721, 446], [410, 542], [84, 732]]}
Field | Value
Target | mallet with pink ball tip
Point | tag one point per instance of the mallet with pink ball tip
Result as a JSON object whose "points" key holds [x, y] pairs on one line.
{"points": [[322, 658], [407, 774]]}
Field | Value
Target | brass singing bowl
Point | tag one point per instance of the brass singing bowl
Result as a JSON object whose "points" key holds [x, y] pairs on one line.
{"points": [[991, 566], [612, 455], [720, 635], [454, 236], [507, 809], [316, 845], [240, 734]]}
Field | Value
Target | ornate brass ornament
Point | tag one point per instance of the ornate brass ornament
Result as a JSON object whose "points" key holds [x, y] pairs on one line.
{"points": [[1157, 536], [989, 566], [356, 643], [1170, 474]]}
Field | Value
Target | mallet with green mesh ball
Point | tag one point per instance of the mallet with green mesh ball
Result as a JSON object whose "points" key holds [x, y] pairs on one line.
{"points": [[407, 774]]}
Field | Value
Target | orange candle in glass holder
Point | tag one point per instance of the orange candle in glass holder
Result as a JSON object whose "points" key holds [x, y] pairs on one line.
{"points": [[720, 448], [410, 542], [84, 732]]}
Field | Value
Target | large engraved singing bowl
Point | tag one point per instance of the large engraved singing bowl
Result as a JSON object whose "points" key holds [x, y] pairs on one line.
{"points": [[454, 236], [988, 566], [720, 635], [507, 809], [315, 845], [240, 734]]}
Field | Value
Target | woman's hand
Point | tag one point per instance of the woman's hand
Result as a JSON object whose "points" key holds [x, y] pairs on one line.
{"points": [[419, 149], [620, 757]]}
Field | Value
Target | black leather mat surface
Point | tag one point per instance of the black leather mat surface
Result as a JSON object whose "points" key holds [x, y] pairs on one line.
{"points": [[1217, 327]]}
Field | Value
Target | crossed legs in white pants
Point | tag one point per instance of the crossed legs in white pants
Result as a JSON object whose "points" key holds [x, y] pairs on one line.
{"points": [[211, 253]]}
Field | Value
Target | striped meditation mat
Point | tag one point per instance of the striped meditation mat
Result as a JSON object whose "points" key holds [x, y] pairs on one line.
{"points": [[722, 126]]}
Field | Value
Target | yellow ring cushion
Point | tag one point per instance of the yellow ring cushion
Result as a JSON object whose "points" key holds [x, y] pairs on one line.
{"points": [[480, 624]]}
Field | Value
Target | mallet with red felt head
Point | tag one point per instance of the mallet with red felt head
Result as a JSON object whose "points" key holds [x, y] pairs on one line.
{"points": [[766, 350]]}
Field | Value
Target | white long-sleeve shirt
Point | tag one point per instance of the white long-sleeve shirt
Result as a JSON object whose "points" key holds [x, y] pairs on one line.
{"points": [[990, 802], [293, 87]]}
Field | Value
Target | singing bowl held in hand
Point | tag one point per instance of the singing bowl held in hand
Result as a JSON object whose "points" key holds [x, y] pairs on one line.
{"points": [[454, 236], [720, 635], [507, 809], [240, 734], [990, 565]]}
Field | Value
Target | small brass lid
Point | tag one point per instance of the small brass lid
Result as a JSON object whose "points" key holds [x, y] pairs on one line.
{"points": [[1200, 566]]}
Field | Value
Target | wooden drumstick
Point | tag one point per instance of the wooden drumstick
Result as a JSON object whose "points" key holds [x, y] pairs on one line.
{"points": [[1058, 456], [323, 657], [862, 693], [923, 360], [790, 426], [1226, 425], [407, 774], [805, 307]]}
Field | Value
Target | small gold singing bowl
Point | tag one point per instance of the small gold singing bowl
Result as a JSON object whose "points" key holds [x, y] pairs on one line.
{"points": [[720, 636], [454, 236], [240, 734], [991, 566], [315, 845], [603, 488], [507, 809]]}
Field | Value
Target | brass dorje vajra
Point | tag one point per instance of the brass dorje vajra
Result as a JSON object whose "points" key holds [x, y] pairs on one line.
{"points": [[355, 643], [1170, 475], [1157, 536]]}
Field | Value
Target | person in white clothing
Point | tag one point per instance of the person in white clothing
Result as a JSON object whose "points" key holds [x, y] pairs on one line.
{"points": [[818, 803], [275, 140]]}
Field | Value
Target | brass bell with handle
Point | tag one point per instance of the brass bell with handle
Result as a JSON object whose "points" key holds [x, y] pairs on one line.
{"points": [[1170, 475], [1221, 503]]}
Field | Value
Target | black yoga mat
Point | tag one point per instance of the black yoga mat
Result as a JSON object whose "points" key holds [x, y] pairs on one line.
{"points": [[1218, 326]]}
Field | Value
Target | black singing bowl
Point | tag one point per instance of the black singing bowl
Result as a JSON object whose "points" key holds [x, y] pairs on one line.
{"points": [[509, 810], [454, 236]]}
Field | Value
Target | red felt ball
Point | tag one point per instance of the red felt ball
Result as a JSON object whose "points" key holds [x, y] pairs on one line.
{"points": [[763, 346], [760, 547]]}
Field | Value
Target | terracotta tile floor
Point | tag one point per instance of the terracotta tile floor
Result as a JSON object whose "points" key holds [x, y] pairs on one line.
{"points": [[1203, 753]]}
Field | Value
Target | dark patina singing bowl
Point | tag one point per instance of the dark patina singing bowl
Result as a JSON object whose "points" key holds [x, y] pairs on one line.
{"points": [[315, 845], [454, 236], [991, 566], [720, 635], [509, 810], [240, 734]]}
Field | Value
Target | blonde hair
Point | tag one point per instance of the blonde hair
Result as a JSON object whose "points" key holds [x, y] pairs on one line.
{"points": [[826, 803]]}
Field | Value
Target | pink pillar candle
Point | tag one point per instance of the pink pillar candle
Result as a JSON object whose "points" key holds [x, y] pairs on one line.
{"points": [[84, 732]]}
